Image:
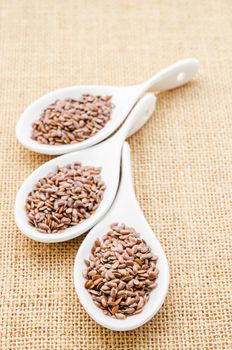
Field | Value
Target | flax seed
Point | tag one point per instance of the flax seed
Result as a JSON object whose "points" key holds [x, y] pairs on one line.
{"points": [[72, 120], [50, 212], [120, 281]]}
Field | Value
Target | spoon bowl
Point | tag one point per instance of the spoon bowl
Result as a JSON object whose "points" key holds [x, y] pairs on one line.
{"points": [[123, 98], [106, 155], [126, 210]]}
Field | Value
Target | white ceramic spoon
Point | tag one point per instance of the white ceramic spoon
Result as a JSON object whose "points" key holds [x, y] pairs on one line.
{"points": [[123, 98], [106, 155], [125, 210]]}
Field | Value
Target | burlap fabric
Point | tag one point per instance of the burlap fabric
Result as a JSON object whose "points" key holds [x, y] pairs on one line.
{"points": [[182, 163]]}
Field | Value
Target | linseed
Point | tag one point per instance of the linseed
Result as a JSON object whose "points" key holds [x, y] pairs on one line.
{"points": [[72, 120], [121, 272], [64, 198]]}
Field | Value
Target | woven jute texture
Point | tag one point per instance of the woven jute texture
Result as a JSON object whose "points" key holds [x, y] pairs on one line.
{"points": [[182, 165]]}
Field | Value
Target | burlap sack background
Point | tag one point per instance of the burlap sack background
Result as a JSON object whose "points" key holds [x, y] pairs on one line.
{"points": [[182, 163]]}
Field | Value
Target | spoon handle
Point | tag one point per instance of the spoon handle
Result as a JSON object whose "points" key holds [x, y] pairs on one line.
{"points": [[173, 76], [137, 117], [126, 189], [126, 197]]}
